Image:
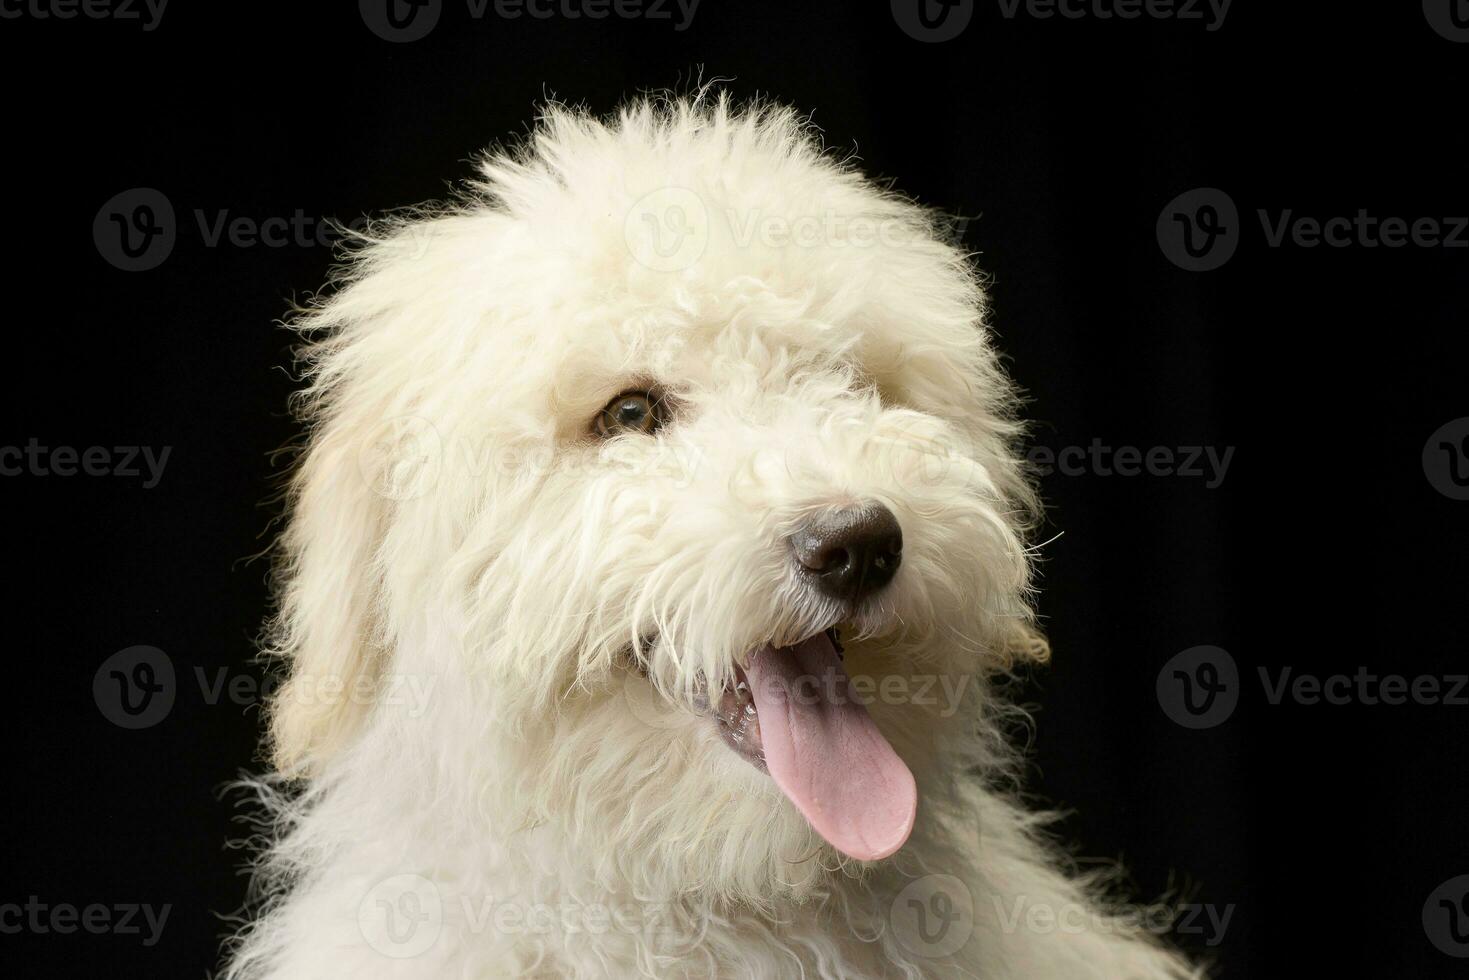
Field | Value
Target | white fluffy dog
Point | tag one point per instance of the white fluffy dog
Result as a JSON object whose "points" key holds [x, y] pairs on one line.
{"points": [[655, 552]]}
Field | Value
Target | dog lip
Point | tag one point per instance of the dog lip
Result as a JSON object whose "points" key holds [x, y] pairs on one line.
{"points": [[738, 721], [733, 712]]}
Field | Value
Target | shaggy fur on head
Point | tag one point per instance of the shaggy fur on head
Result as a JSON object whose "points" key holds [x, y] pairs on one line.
{"points": [[495, 752]]}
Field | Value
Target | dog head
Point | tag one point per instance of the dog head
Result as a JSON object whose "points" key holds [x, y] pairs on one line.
{"points": [[650, 450]]}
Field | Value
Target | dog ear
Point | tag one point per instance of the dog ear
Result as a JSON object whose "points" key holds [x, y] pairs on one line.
{"points": [[362, 344], [329, 592], [405, 308]]}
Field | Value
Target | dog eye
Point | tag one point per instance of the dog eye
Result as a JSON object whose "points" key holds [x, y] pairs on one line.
{"points": [[631, 411]]}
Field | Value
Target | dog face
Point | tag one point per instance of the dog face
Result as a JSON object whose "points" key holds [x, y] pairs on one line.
{"points": [[647, 452]]}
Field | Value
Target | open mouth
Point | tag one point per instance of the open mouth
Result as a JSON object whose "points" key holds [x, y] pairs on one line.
{"points": [[792, 714], [737, 717]]}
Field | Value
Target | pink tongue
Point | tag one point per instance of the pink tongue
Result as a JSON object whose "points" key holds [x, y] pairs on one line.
{"points": [[825, 753]]}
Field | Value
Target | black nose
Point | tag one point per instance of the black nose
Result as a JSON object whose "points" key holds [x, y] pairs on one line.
{"points": [[851, 553]]}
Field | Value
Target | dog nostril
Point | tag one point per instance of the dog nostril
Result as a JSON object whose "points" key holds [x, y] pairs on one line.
{"points": [[850, 553], [832, 560]]}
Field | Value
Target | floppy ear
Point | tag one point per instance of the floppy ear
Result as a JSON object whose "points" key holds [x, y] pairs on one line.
{"points": [[418, 292], [329, 591], [363, 457]]}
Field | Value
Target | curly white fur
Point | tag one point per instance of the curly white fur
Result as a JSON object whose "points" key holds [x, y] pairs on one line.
{"points": [[491, 758]]}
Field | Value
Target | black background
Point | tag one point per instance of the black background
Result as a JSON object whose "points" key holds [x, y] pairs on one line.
{"points": [[1326, 369]]}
